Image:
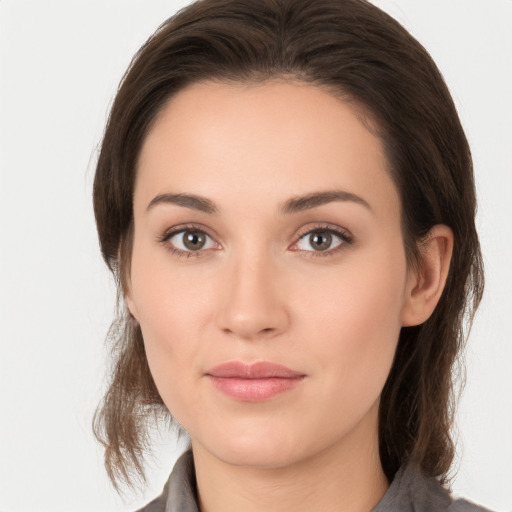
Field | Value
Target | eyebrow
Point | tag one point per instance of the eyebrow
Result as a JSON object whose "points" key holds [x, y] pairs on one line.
{"points": [[315, 199], [293, 205], [191, 201]]}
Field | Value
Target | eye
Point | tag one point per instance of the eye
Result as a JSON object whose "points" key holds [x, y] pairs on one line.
{"points": [[320, 241], [323, 240], [188, 241]]}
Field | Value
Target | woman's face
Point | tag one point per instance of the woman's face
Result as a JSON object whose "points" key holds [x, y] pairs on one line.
{"points": [[267, 230]]}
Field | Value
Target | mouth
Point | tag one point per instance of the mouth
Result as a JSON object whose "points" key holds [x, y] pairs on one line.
{"points": [[253, 382]]}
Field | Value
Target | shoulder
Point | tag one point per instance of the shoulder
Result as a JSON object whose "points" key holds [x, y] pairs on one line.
{"points": [[157, 505], [412, 491], [462, 505], [179, 493]]}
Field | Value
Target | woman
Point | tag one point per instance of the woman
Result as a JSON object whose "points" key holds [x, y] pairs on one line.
{"points": [[285, 195]]}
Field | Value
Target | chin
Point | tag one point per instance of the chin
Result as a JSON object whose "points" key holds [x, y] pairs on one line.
{"points": [[258, 457], [258, 449]]}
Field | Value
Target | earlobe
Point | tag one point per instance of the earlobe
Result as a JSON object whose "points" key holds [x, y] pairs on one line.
{"points": [[132, 310], [128, 299], [426, 282], [129, 302]]}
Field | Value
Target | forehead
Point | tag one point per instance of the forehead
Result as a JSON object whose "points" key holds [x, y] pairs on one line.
{"points": [[260, 141]]}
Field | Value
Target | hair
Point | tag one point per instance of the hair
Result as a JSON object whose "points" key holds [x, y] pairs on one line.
{"points": [[361, 55]]}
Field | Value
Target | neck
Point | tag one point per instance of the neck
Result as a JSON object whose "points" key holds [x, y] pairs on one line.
{"points": [[346, 477]]}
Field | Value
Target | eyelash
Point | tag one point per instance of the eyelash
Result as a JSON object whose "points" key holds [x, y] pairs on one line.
{"points": [[345, 237]]}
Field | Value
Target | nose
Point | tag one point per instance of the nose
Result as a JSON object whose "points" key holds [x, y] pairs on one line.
{"points": [[253, 303]]}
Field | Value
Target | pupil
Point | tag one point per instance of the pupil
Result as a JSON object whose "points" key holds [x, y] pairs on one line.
{"points": [[321, 241], [194, 240]]}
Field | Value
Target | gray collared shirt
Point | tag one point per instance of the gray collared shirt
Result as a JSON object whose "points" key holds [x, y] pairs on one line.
{"points": [[409, 491]]}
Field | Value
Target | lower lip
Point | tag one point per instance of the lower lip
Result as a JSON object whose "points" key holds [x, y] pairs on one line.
{"points": [[254, 390]]}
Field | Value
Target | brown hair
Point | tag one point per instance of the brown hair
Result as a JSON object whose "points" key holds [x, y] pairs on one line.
{"points": [[362, 55]]}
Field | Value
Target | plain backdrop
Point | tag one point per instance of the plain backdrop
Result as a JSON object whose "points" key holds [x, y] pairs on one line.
{"points": [[60, 63]]}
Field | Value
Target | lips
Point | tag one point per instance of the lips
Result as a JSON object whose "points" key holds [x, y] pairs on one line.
{"points": [[253, 382]]}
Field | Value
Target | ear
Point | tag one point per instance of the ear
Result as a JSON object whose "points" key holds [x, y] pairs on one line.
{"points": [[130, 305], [426, 280], [126, 289]]}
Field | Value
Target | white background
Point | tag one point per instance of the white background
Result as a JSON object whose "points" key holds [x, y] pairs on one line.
{"points": [[60, 63]]}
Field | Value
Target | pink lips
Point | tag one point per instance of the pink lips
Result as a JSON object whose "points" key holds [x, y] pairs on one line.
{"points": [[253, 382]]}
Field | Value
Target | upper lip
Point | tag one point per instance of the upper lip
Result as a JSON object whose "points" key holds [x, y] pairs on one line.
{"points": [[259, 370]]}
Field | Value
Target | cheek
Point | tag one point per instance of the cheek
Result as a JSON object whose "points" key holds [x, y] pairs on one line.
{"points": [[169, 305], [166, 295], [355, 319]]}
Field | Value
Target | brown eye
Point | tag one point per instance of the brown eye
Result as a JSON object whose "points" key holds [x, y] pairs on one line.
{"points": [[194, 240], [321, 240], [189, 240]]}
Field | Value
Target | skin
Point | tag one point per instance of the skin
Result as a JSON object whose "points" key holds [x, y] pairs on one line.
{"points": [[260, 290]]}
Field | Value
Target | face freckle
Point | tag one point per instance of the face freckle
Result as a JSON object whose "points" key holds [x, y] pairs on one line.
{"points": [[326, 306]]}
